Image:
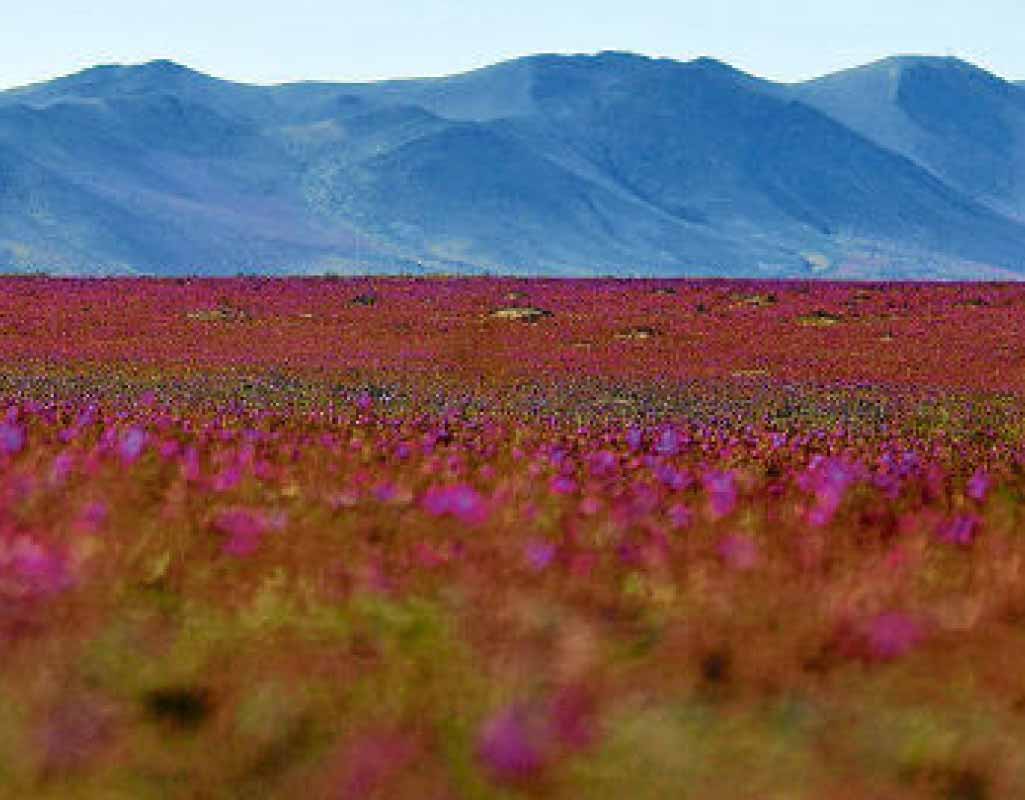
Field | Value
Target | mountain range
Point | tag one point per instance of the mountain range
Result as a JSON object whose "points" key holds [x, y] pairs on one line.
{"points": [[610, 164]]}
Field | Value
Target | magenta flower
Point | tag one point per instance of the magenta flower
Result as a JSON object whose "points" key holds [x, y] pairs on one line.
{"points": [[33, 569], [245, 529], [169, 449], [227, 479]]}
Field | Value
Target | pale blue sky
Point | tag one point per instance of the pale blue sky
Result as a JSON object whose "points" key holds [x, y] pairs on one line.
{"points": [[269, 41]]}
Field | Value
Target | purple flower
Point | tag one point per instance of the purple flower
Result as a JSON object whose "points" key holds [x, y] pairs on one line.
{"points": [[978, 485], [60, 470], [722, 492], [12, 438], [561, 484], [634, 438], [672, 478], [891, 635], [131, 445], [961, 530], [539, 554], [668, 443], [460, 501], [603, 464], [680, 515], [507, 748]]}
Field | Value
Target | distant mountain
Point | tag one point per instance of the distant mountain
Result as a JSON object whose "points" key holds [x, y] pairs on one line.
{"points": [[570, 165], [960, 122]]}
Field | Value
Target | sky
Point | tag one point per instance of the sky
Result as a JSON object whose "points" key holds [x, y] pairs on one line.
{"points": [[269, 41]]}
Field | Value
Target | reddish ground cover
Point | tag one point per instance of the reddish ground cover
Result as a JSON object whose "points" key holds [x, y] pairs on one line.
{"points": [[370, 539]]}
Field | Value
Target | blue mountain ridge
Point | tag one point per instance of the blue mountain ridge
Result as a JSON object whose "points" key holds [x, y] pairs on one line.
{"points": [[606, 164]]}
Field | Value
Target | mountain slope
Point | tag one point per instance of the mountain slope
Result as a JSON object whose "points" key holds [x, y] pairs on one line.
{"points": [[962, 123], [606, 164]]}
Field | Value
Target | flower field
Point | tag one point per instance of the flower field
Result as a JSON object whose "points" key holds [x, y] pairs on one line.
{"points": [[487, 538]]}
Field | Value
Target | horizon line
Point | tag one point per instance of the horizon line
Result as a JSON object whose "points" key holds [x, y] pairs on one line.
{"points": [[580, 54]]}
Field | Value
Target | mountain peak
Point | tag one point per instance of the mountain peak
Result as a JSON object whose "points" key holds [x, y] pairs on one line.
{"points": [[896, 66], [156, 69]]}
